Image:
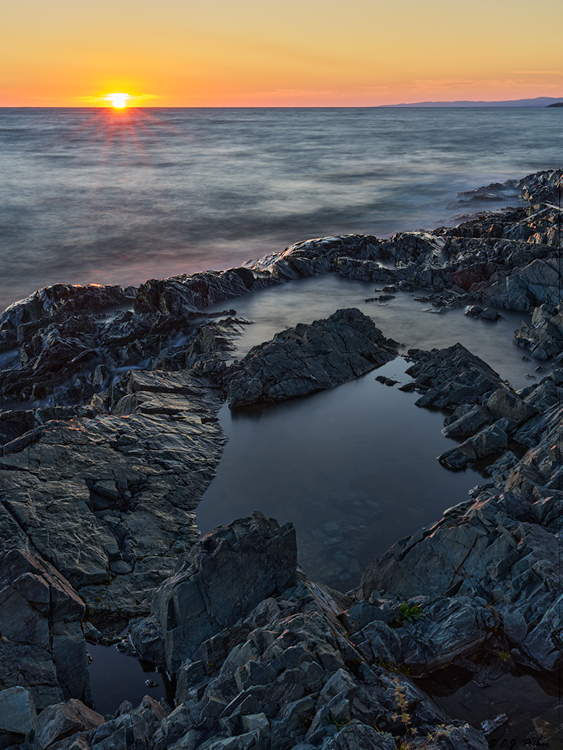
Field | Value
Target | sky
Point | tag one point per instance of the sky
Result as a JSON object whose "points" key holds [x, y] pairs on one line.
{"points": [[231, 53]]}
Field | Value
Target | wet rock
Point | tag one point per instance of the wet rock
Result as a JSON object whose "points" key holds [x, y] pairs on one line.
{"points": [[309, 358], [468, 422], [451, 377], [108, 499], [544, 335], [42, 645]]}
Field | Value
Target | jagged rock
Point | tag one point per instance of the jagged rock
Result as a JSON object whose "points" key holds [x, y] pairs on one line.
{"points": [[92, 494], [309, 358], [468, 422], [451, 377], [223, 577], [42, 645], [544, 336], [58, 721], [497, 553], [487, 442]]}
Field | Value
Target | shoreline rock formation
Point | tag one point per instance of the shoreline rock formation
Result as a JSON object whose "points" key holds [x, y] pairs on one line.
{"points": [[110, 436]]}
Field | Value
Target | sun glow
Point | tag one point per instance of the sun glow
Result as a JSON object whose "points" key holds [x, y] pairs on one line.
{"points": [[118, 100]]}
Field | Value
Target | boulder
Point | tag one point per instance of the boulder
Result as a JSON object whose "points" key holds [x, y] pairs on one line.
{"points": [[490, 440], [309, 358]]}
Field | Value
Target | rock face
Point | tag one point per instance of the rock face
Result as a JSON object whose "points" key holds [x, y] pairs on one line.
{"points": [[544, 336], [100, 474], [108, 500], [224, 576], [494, 554], [42, 646], [17, 716], [309, 358]]}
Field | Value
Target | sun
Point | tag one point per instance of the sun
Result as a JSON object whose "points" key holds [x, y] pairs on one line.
{"points": [[118, 100]]}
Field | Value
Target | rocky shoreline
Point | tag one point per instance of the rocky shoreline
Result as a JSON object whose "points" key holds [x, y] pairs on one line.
{"points": [[110, 436]]}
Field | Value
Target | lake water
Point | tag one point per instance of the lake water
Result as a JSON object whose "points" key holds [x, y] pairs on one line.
{"points": [[106, 196]]}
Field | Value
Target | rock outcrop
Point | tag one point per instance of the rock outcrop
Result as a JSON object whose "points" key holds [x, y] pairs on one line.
{"points": [[309, 358], [42, 646], [102, 468]]}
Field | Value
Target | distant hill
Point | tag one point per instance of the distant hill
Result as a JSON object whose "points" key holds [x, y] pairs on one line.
{"points": [[540, 101]]}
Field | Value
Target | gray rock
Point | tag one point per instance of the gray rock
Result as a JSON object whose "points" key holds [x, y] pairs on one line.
{"points": [[309, 358], [224, 576], [42, 646], [63, 719], [492, 439], [468, 423], [17, 715]]}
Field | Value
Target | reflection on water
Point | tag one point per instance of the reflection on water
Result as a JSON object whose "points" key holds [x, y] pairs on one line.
{"points": [[530, 700], [354, 468]]}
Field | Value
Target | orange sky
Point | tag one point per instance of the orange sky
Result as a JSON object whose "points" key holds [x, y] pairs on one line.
{"points": [[294, 53]]}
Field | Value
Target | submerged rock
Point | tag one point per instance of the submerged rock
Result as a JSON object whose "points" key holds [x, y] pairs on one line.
{"points": [[309, 358]]}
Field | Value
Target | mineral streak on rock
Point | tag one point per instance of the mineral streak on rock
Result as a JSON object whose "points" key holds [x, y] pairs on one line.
{"points": [[309, 358]]}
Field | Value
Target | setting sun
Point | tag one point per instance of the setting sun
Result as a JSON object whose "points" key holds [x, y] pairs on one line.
{"points": [[118, 100]]}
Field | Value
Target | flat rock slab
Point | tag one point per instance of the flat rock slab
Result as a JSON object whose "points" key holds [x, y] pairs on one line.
{"points": [[310, 358]]}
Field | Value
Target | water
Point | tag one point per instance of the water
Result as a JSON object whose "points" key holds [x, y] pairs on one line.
{"points": [[354, 468], [106, 196]]}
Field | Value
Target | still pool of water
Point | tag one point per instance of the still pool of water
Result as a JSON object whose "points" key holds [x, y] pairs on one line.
{"points": [[354, 468]]}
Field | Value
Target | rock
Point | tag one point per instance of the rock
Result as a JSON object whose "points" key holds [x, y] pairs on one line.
{"points": [[309, 358], [63, 719], [487, 442], [17, 716], [223, 577], [42, 646], [468, 423], [489, 725], [108, 500], [359, 735], [451, 377], [544, 336], [505, 404]]}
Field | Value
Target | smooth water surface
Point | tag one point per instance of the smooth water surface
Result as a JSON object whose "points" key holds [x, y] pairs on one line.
{"points": [[354, 468], [107, 196]]}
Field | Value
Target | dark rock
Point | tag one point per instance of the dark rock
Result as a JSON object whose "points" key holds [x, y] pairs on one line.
{"points": [[63, 719], [42, 644], [309, 358], [17, 716], [224, 576]]}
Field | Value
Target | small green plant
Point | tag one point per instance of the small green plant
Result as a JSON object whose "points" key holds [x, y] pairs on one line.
{"points": [[411, 612], [504, 655]]}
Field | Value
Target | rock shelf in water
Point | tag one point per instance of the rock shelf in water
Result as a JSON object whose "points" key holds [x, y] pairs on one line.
{"points": [[110, 436]]}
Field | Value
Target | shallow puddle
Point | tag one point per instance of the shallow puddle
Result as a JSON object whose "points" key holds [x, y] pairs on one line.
{"points": [[115, 677]]}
